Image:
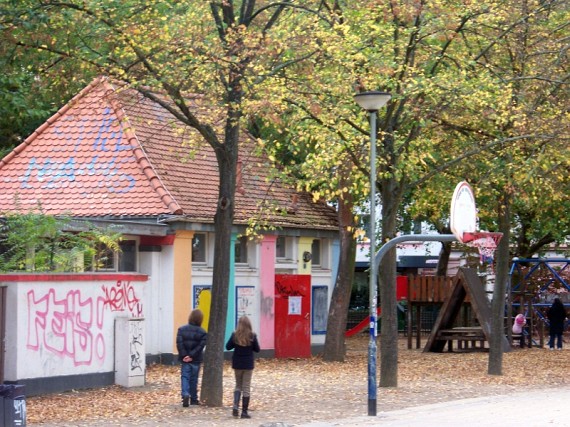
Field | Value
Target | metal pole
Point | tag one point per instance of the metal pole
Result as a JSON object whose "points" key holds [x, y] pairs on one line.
{"points": [[412, 238], [372, 399], [374, 266]]}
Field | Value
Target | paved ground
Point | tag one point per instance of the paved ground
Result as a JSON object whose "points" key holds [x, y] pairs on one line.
{"points": [[434, 389], [529, 409]]}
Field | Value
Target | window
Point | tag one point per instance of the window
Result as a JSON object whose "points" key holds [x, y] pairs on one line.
{"points": [[199, 247], [128, 255], [316, 252], [106, 259], [241, 250], [281, 247]]}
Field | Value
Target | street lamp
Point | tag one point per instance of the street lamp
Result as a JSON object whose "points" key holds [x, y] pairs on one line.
{"points": [[372, 102]]}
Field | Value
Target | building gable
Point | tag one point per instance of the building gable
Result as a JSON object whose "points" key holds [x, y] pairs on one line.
{"points": [[83, 161], [113, 152]]}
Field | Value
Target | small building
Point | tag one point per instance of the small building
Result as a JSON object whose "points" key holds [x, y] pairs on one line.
{"points": [[112, 157]]}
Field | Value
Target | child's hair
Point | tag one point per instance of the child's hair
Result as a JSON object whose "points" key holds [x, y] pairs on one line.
{"points": [[243, 333], [196, 317]]}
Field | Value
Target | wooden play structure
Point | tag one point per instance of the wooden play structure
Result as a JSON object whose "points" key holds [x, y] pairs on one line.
{"points": [[424, 293], [466, 284]]}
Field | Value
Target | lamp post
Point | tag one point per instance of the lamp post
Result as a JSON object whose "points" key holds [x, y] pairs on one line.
{"points": [[372, 102]]}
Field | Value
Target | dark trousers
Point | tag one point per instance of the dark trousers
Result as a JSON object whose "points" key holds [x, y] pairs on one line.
{"points": [[558, 338]]}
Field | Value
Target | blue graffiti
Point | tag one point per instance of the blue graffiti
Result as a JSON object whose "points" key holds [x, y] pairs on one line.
{"points": [[105, 135], [54, 174]]}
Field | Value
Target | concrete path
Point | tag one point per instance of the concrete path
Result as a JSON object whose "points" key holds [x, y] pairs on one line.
{"points": [[528, 409]]}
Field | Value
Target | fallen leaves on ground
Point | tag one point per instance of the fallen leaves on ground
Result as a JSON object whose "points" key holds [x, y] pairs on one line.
{"points": [[304, 390]]}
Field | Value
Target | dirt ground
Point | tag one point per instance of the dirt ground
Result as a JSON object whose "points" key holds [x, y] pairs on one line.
{"points": [[294, 391]]}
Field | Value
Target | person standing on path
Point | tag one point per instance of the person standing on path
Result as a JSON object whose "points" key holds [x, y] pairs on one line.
{"points": [[244, 342], [556, 317], [190, 343]]}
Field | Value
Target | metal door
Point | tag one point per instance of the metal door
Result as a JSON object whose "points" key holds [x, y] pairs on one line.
{"points": [[292, 315]]}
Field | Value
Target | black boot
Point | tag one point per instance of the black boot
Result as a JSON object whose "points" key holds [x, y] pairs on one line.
{"points": [[237, 396], [245, 406], [185, 401]]}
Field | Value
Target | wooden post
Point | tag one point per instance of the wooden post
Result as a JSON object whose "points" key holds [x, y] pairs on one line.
{"points": [[409, 318], [418, 325], [531, 327]]}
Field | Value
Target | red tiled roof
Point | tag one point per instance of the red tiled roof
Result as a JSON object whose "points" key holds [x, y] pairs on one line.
{"points": [[113, 152]]}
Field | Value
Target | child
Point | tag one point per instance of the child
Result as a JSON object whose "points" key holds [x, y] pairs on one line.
{"points": [[244, 342], [518, 326], [190, 342]]}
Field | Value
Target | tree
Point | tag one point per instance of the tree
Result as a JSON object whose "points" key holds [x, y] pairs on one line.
{"points": [[33, 241], [527, 57], [228, 52], [32, 87], [407, 51], [447, 112], [522, 49]]}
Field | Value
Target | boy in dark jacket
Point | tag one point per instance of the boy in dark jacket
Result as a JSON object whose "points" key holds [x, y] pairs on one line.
{"points": [[190, 342]]}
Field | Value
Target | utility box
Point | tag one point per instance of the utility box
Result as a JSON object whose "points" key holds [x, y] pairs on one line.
{"points": [[130, 365], [13, 402]]}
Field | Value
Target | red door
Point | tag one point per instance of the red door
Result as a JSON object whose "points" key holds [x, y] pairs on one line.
{"points": [[292, 315]]}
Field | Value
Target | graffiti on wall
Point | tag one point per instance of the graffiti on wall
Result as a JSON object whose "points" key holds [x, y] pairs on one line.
{"points": [[72, 325], [122, 297], [266, 306], [136, 348]]}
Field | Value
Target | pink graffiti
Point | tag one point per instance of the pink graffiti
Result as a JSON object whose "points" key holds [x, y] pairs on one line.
{"points": [[122, 297], [69, 327]]}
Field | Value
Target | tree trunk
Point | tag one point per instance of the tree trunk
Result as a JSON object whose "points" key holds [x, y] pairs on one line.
{"points": [[498, 304], [338, 310], [387, 270], [226, 154], [444, 253]]}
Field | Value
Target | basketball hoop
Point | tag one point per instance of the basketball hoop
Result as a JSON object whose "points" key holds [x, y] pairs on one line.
{"points": [[463, 223], [485, 241]]}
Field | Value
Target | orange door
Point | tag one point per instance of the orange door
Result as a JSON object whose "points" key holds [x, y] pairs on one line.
{"points": [[292, 315]]}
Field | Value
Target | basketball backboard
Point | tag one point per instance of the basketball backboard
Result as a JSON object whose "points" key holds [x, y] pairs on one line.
{"points": [[463, 218]]}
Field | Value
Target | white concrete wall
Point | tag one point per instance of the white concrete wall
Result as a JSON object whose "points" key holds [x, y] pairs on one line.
{"points": [[56, 328]]}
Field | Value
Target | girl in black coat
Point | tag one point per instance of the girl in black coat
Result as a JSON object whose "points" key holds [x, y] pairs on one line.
{"points": [[556, 317], [244, 342]]}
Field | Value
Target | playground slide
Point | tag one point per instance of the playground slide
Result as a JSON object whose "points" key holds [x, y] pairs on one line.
{"points": [[364, 324]]}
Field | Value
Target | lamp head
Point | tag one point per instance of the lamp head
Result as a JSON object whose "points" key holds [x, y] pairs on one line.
{"points": [[372, 100]]}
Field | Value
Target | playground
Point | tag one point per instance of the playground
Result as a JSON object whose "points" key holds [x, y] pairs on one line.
{"points": [[293, 391], [463, 306], [296, 391], [300, 391]]}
